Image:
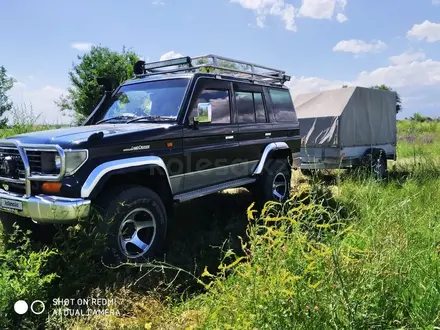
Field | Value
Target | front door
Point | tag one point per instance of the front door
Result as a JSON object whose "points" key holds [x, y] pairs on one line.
{"points": [[211, 146]]}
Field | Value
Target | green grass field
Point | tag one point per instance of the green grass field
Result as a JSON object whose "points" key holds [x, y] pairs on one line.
{"points": [[345, 252]]}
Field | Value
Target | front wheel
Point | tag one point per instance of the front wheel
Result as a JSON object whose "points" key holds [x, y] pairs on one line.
{"points": [[274, 183], [135, 223]]}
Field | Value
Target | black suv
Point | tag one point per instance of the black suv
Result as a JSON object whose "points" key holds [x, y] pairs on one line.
{"points": [[181, 129]]}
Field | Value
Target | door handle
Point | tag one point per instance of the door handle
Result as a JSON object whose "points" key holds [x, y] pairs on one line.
{"points": [[268, 134], [229, 137]]}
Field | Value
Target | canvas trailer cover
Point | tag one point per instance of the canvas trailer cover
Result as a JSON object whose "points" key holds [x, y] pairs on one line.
{"points": [[347, 117]]}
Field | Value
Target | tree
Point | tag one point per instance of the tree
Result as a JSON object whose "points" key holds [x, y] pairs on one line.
{"points": [[387, 88], [85, 93], [6, 83]]}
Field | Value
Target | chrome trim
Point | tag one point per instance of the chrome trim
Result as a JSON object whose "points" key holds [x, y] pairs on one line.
{"points": [[101, 170], [22, 148], [48, 209], [49, 177], [269, 148]]}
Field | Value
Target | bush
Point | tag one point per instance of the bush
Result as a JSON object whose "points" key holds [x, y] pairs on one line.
{"points": [[22, 277]]}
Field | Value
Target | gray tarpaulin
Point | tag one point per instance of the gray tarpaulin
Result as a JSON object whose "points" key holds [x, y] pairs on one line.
{"points": [[347, 117]]}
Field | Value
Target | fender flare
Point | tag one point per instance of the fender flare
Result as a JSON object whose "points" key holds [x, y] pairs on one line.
{"points": [[134, 163], [267, 151]]}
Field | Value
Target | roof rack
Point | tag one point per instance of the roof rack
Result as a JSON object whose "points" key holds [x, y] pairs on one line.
{"points": [[213, 64]]}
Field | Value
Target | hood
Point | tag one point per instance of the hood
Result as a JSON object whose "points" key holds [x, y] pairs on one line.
{"points": [[75, 135]]}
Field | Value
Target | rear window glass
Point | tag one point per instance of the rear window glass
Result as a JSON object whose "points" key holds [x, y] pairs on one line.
{"points": [[250, 107], [259, 108], [282, 105]]}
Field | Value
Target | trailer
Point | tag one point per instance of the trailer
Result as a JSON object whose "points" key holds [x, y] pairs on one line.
{"points": [[347, 128]]}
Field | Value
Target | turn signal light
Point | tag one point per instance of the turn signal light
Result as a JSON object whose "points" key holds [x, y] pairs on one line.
{"points": [[51, 187]]}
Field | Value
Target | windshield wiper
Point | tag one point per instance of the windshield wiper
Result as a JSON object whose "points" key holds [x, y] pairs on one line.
{"points": [[113, 118], [151, 118]]}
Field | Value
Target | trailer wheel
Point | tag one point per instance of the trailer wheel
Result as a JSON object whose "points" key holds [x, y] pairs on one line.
{"points": [[375, 163]]}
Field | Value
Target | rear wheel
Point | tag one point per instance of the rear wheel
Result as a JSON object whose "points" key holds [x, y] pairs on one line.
{"points": [[274, 182], [134, 221]]}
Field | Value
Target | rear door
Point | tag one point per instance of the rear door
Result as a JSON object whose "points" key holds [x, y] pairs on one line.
{"points": [[282, 114], [255, 131], [210, 149]]}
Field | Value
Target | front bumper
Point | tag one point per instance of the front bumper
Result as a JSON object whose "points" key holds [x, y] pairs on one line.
{"points": [[45, 209]]}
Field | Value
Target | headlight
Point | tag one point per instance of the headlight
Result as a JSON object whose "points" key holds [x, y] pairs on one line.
{"points": [[74, 160]]}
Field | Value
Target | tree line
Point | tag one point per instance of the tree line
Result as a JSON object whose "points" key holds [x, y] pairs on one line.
{"points": [[84, 93]]}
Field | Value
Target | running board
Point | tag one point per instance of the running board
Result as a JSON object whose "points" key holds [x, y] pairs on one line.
{"points": [[213, 189]]}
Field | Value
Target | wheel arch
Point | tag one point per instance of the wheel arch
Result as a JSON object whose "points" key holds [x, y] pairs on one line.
{"points": [[273, 150], [138, 170]]}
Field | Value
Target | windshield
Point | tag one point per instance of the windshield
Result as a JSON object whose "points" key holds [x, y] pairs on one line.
{"points": [[148, 99]]}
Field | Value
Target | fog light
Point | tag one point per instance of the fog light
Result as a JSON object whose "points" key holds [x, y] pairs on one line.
{"points": [[51, 187]]}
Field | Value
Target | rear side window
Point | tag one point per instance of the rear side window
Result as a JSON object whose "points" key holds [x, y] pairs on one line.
{"points": [[259, 108], [282, 105], [250, 107]]}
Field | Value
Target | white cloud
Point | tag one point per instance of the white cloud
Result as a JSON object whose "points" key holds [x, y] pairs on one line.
{"points": [[318, 9], [426, 30], [42, 102], [417, 83], [279, 8], [359, 46], [436, 2], [170, 55], [158, 3], [341, 18], [82, 46], [407, 57], [414, 74], [301, 85], [323, 9]]}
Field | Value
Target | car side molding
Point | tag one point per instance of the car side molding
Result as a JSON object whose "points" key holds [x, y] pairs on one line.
{"points": [[98, 173], [267, 150]]}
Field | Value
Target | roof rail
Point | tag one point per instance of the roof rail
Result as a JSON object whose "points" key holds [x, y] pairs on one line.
{"points": [[213, 64]]}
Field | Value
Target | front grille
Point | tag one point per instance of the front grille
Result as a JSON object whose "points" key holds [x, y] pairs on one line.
{"points": [[42, 166], [34, 159]]}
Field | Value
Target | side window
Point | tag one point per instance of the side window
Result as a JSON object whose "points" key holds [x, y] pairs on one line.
{"points": [[250, 107], [218, 102], [259, 108], [282, 104], [245, 107]]}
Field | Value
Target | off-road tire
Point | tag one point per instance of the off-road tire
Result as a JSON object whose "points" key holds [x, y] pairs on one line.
{"points": [[39, 233], [112, 209], [263, 190]]}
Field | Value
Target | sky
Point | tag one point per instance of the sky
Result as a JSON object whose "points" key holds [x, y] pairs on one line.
{"points": [[322, 44]]}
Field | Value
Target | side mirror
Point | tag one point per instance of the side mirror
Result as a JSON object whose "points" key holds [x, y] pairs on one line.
{"points": [[106, 83], [204, 113]]}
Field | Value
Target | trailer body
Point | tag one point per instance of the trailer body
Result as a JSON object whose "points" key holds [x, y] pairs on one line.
{"points": [[338, 127]]}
